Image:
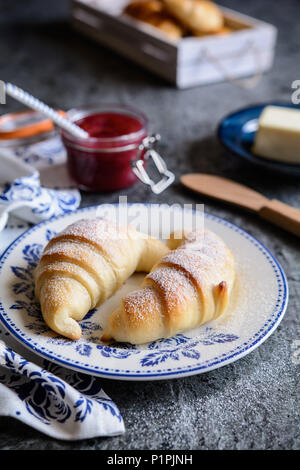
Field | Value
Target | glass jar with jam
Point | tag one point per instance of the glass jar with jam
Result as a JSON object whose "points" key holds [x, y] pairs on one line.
{"points": [[113, 156]]}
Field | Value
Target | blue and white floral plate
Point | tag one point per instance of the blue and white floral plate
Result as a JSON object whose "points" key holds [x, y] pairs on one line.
{"points": [[257, 306]]}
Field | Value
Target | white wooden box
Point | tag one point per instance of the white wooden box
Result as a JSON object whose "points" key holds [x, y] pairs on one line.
{"points": [[247, 51]]}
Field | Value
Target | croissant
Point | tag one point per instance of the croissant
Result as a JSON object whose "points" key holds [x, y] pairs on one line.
{"points": [[167, 25], [84, 265], [189, 286], [154, 13], [141, 9], [200, 16]]}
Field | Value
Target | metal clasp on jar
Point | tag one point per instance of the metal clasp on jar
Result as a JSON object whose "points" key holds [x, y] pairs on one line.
{"points": [[147, 151]]}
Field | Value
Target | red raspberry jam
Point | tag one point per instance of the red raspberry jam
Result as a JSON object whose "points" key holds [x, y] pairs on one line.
{"points": [[102, 162]]}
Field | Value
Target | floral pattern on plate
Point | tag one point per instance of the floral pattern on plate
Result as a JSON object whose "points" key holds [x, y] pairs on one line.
{"points": [[205, 348]]}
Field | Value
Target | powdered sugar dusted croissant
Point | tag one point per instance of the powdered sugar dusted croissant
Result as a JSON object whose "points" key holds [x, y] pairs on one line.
{"points": [[186, 288], [84, 265]]}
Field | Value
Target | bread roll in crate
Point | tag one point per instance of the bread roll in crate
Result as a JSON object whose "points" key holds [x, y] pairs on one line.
{"points": [[187, 42]]}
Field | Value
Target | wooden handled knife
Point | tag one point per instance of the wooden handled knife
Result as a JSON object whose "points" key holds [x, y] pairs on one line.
{"points": [[217, 187]]}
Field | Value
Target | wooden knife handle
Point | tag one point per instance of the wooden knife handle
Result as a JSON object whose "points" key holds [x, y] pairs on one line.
{"points": [[282, 215]]}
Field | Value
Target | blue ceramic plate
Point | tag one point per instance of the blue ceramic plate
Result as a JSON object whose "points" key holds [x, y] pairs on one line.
{"points": [[258, 303], [236, 132]]}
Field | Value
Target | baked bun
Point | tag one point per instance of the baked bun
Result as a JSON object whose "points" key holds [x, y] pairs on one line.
{"points": [[167, 25], [154, 13], [141, 10], [199, 16], [84, 265], [189, 286], [221, 32]]}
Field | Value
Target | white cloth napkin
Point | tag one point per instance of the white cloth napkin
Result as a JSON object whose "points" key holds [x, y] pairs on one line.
{"points": [[34, 183], [58, 402]]}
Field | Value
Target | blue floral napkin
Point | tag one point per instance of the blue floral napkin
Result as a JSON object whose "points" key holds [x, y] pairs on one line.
{"points": [[34, 184], [61, 403], [58, 402]]}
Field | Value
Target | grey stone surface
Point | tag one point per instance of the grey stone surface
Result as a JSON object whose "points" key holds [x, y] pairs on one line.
{"points": [[253, 403]]}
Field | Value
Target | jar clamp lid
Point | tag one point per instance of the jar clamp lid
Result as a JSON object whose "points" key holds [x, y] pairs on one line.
{"points": [[145, 152]]}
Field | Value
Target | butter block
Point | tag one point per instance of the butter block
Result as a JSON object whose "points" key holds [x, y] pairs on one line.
{"points": [[278, 134]]}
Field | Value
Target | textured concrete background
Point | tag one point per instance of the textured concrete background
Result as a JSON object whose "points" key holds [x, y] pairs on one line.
{"points": [[253, 403]]}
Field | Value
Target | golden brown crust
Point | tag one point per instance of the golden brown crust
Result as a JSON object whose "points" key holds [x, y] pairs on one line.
{"points": [[224, 31], [167, 25], [221, 298], [178, 18], [187, 287], [154, 13], [143, 9], [199, 16], [84, 265]]}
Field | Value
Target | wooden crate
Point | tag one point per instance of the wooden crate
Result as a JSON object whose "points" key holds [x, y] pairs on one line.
{"points": [[190, 61]]}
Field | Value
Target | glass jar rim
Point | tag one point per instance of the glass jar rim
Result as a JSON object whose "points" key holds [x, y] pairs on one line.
{"points": [[75, 114]]}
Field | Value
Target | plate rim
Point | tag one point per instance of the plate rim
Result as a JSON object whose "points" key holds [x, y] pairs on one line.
{"points": [[156, 375], [267, 164]]}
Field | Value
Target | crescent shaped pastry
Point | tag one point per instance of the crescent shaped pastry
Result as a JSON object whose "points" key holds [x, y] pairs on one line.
{"points": [[200, 16], [189, 286], [84, 265]]}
